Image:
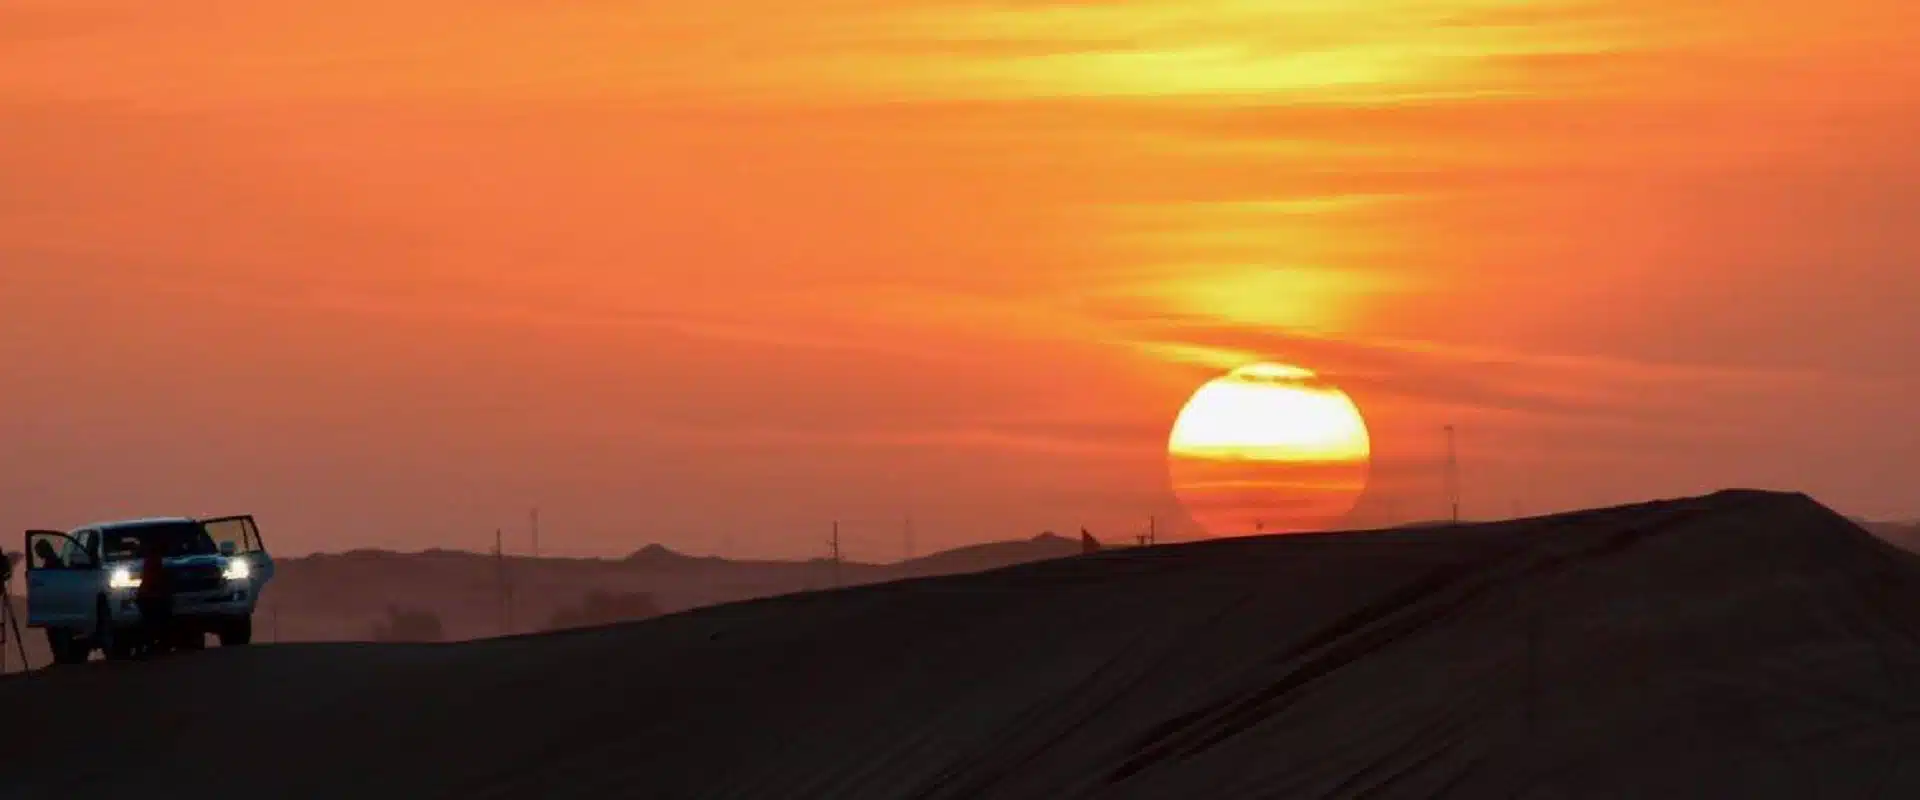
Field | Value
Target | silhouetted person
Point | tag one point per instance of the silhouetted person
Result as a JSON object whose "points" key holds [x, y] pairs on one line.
{"points": [[49, 558], [155, 596], [1088, 544]]}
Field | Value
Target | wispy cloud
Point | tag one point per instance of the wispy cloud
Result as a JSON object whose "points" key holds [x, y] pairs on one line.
{"points": [[851, 49], [246, 289], [1452, 376]]}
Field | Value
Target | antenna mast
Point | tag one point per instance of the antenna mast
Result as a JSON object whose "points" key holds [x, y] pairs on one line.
{"points": [[506, 589], [834, 543], [1453, 476]]}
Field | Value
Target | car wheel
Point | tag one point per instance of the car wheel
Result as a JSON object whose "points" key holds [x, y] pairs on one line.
{"points": [[236, 633]]}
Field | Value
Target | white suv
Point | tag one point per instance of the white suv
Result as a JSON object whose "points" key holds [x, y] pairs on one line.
{"points": [[81, 583]]}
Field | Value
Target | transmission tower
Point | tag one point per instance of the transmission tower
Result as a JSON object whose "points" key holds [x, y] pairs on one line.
{"points": [[1146, 538]]}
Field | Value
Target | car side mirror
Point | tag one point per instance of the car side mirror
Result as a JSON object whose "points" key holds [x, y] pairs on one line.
{"points": [[227, 548]]}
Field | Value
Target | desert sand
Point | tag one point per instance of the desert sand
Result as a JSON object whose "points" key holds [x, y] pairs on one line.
{"points": [[1744, 644]]}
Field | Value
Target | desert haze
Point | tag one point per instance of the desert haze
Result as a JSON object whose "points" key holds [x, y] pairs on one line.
{"points": [[451, 595], [1742, 644]]}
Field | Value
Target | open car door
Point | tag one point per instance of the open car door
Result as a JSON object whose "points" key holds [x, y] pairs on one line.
{"points": [[239, 537], [61, 580]]}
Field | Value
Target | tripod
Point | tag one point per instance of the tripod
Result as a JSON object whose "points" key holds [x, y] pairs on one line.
{"points": [[10, 622]]}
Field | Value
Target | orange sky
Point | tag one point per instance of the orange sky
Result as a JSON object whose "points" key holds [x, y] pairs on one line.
{"points": [[713, 274]]}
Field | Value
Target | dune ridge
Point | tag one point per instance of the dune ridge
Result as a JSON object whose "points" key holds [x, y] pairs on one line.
{"points": [[1745, 643]]}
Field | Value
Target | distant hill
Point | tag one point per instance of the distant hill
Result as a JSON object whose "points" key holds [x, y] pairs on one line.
{"points": [[341, 596], [662, 555]]}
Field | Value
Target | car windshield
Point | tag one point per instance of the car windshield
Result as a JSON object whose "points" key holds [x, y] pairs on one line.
{"points": [[174, 539]]}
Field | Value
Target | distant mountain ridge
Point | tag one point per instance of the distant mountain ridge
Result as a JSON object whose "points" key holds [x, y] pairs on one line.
{"points": [[333, 596]]}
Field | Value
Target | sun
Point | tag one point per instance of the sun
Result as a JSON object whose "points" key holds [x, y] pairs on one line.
{"points": [[1269, 448]]}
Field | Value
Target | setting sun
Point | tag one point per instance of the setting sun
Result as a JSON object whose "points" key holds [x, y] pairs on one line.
{"points": [[1268, 448]]}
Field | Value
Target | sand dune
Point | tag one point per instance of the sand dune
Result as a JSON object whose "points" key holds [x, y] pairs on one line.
{"points": [[1739, 645]]}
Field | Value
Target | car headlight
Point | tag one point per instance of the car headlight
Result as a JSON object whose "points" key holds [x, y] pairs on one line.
{"points": [[122, 578], [238, 570]]}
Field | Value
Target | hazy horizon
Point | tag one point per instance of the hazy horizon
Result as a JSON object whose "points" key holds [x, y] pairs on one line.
{"points": [[391, 274]]}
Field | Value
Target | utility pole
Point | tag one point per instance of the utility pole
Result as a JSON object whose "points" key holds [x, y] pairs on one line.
{"points": [[506, 592], [834, 544], [1153, 531], [1453, 476]]}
